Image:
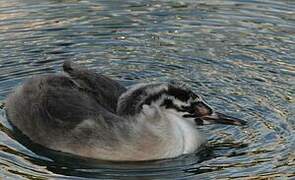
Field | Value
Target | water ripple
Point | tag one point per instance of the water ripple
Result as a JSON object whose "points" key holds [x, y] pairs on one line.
{"points": [[237, 54]]}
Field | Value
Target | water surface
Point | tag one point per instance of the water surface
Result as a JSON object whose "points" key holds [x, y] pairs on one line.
{"points": [[240, 55]]}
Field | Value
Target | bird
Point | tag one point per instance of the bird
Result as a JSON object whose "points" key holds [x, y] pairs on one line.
{"points": [[85, 113]]}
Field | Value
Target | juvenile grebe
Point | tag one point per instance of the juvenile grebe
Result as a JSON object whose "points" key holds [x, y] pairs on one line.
{"points": [[91, 115]]}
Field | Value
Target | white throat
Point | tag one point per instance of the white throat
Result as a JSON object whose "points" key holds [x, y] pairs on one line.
{"points": [[184, 129], [183, 138]]}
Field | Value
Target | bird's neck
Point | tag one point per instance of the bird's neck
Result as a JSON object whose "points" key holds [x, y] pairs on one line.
{"points": [[163, 133], [184, 131]]}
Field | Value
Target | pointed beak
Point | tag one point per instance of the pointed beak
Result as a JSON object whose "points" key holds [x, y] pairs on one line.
{"points": [[204, 114], [219, 118]]}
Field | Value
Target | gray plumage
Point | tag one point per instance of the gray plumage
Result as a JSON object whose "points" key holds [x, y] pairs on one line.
{"points": [[91, 115], [50, 108]]}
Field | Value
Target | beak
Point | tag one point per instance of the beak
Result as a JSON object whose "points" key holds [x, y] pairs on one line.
{"points": [[219, 118], [204, 114]]}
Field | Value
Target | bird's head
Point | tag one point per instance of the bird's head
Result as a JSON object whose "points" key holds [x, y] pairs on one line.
{"points": [[175, 98]]}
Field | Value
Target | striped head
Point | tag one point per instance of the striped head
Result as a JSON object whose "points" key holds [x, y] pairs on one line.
{"points": [[171, 96]]}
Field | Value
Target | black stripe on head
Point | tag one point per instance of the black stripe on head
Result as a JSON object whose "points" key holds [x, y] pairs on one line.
{"points": [[131, 104], [154, 97], [179, 93], [173, 91], [134, 101], [168, 103]]}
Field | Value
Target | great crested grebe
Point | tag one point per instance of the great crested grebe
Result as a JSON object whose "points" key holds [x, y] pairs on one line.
{"points": [[91, 115]]}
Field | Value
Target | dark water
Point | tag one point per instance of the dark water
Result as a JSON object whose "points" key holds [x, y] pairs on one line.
{"points": [[240, 55]]}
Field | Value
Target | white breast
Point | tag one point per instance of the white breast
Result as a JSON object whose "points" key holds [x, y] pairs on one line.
{"points": [[179, 134], [184, 131]]}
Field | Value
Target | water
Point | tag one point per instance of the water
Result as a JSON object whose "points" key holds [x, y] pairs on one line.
{"points": [[240, 55]]}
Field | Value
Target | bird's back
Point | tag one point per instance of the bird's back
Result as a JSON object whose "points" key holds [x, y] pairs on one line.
{"points": [[48, 105]]}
